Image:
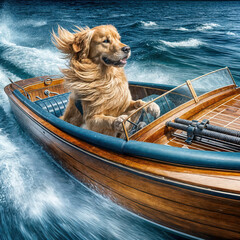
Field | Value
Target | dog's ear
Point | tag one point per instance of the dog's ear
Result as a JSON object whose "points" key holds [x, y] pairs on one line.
{"points": [[64, 40], [81, 44]]}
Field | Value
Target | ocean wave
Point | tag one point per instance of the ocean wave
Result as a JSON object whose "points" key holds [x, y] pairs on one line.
{"points": [[207, 26], [34, 61], [120, 15], [201, 28], [4, 75], [6, 34], [142, 24], [31, 60], [28, 191], [190, 43], [148, 24], [183, 29], [141, 73], [231, 33], [33, 23], [9, 33]]}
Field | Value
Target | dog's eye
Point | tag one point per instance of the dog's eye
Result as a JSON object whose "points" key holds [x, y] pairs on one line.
{"points": [[106, 41]]}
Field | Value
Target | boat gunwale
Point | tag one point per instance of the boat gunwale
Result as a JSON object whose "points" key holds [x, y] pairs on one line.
{"points": [[155, 152], [23, 112], [171, 182]]}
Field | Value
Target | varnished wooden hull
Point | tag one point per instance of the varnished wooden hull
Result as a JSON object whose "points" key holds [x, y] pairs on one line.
{"points": [[198, 202]]}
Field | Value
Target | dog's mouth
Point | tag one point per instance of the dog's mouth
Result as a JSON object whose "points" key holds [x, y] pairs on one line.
{"points": [[122, 62]]}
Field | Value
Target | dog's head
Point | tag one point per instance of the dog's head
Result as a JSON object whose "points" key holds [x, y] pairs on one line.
{"points": [[100, 44]]}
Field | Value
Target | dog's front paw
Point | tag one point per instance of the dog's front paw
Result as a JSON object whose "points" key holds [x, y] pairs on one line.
{"points": [[117, 124], [153, 109], [138, 104]]}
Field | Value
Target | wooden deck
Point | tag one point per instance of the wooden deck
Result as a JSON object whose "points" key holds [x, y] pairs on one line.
{"points": [[227, 114]]}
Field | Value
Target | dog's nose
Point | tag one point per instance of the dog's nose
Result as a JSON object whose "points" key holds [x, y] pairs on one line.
{"points": [[126, 49]]}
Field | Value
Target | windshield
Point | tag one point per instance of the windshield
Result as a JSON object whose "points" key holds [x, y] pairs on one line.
{"points": [[190, 90]]}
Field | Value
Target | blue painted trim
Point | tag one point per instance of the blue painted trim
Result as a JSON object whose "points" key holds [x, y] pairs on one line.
{"points": [[157, 152], [197, 158], [97, 139]]}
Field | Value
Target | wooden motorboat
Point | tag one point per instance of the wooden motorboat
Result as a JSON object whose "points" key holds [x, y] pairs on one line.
{"points": [[166, 169]]}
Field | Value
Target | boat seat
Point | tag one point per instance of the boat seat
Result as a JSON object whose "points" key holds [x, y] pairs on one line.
{"points": [[55, 105]]}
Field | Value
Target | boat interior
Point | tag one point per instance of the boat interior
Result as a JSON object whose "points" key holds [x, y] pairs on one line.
{"points": [[209, 103]]}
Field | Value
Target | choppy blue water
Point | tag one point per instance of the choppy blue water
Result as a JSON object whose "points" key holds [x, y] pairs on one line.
{"points": [[171, 42]]}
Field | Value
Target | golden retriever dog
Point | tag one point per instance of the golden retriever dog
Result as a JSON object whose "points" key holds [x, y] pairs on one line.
{"points": [[96, 77]]}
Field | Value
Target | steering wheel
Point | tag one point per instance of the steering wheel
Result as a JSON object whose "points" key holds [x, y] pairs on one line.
{"points": [[140, 123]]}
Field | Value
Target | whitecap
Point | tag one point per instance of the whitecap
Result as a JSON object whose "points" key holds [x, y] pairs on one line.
{"points": [[39, 23], [148, 24], [137, 72], [182, 29], [207, 26], [34, 61], [18, 169], [6, 34], [43, 199], [190, 43], [231, 33], [4, 75], [120, 15]]}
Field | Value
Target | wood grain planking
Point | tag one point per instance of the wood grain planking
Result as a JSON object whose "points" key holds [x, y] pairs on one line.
{"points": [[157, 128], [142, 165], [221, 115], [195, 145], [176, 212], [40, 92], [124, 186]]}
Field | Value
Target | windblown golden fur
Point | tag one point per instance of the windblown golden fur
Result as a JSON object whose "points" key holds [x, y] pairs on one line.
{"points": [[96, 76]]}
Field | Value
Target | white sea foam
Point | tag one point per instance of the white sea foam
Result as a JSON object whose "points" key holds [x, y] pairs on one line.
{"points": [[19, 177], [231, 33], [9, 165], [148, 24], [4, 75], [120, 15], [158, 74], [44, 199], [202, 28], [34, 23], [34, 61], [190, 43], [19, 163], [207, 26], [5, 33], [183, 29]]}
